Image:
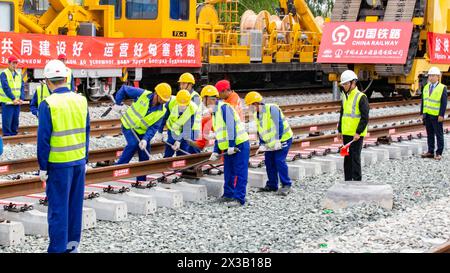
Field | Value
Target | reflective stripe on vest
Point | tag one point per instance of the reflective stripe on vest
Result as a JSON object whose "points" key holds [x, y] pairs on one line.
{"points": [[69, 79], [42, 93], [136, 115], [432, 104], [175, 122], [220, 128], [68, 140], [351, 114], [267, 127], [15, 84]]}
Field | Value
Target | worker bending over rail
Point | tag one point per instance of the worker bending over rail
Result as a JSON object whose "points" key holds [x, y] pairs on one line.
{"points": [[11, 97], [353, 123], [182, 124], [62, 148], [275, 140], [144, 117], [433, 107], [232, 141]]}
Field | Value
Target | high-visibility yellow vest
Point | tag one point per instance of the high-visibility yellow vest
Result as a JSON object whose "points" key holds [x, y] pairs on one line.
{"points": [[220, 128], [136, 115], [351, 115], [42, 92], [14, 83], [432, 104], [69, 79], [68, 140], [267, 128], [198, 113], [175, 122]]}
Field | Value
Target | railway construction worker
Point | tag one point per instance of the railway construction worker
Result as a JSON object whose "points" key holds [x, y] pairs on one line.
{"points": [[70, 78], [433, 107], [275, 139], [353, 123], [181, 123], [186, 82], [12, 96], [230, 97], [39, 95], [232, 140], [141, 120], [62, 151]]}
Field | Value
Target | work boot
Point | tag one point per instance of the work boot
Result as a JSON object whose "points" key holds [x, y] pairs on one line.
{"points": [[285, 190], [427, 155], [267, 189], [233, 203], [438, 157], [224, 199]]}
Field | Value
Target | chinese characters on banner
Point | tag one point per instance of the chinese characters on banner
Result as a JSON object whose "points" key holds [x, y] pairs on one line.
{"points": [[365, 42], [439, 48], [35, 50]]}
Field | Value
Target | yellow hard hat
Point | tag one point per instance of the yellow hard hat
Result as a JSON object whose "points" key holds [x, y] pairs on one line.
{"points": [[252, 97], [183, 97], [187, 78], [164, 91], [209, 91]]}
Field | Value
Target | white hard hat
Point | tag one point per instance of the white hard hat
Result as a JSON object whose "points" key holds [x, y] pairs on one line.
{"points": [[348, 75], [55, 69], [434, 71]]}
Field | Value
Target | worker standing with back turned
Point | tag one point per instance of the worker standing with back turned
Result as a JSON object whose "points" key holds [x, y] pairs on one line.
{"points": [[433, 107], [144, 117], [275, 139], [353, 123], [39, 95], [232, 140], [11, 97], [62, 148]]}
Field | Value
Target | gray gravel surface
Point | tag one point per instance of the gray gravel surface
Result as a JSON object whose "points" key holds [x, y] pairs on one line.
{"points": [[270, 223]]}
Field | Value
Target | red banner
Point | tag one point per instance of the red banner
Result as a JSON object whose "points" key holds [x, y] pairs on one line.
{"points": [[439, 48], [365, 42], [35, 50]]}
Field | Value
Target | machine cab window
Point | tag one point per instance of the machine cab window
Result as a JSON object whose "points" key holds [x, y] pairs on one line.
{"points": [[6, 17], [179, 9], [142, 9], [117, 6], [35, 6]]}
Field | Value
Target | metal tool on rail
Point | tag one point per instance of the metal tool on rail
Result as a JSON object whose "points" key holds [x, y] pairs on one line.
{"points": [[17, 207]]}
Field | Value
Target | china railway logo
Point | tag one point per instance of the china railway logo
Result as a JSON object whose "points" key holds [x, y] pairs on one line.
{"points": [[4, 169], [340, 35], [122, 172]]}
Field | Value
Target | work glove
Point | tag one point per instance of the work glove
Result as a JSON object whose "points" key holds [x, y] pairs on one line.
{"points": [[261, 149], [118, 108], [277, 146], [176, 146], [85, 169], [43, 175], [231, 151], [214, 157], [143, 144], [158, 137]]}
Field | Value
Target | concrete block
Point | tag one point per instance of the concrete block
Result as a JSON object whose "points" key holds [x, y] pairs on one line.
{"points": [[214, 185], [405, 150], [422, 142], [191, 192], [108, 210], [295, 172], [394, 152], [338, 161], [346, 194], [416, 148], [34, 221], [370, 157], [11, 233], [327, 165], [382, 154], [136, 203], [257, 178], [88, 221], [311, 168], [164, 197]]}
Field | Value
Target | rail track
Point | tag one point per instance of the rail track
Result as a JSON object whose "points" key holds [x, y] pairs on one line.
{"points": [[28, 134], [444, 248]]}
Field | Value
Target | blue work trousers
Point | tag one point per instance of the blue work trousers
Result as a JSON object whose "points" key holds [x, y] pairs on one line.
{"points": [[131, 148], [236, 173], [276, 166], [435, 130], [10, 119], [65, 193]]}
